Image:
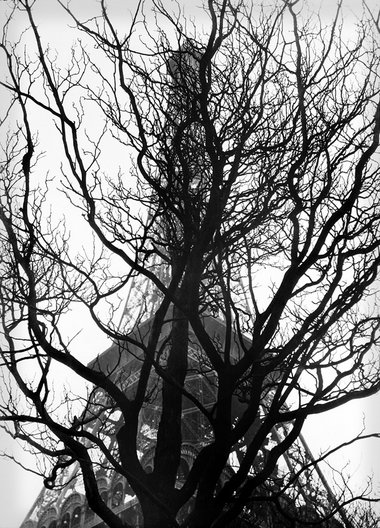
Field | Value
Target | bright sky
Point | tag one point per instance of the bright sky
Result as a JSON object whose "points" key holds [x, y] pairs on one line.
{"points": [[18, 489]]}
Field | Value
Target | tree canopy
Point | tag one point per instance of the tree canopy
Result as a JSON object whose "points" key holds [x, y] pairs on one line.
{"points": [[226, 179]]}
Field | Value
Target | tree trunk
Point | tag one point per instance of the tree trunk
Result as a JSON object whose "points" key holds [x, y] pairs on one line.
{"points": [[155, 516]]}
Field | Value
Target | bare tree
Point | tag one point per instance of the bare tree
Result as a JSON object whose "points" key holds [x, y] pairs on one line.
{"points": [[244, 201]]}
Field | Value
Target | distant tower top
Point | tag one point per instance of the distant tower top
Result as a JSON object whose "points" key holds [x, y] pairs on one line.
{"points": [[183, 66]]}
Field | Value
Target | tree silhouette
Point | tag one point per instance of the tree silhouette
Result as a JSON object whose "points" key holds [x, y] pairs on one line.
{"points": [[228, 176]]}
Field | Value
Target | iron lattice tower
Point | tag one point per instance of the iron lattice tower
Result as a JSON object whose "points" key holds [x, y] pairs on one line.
{"points": [[66, 506]]}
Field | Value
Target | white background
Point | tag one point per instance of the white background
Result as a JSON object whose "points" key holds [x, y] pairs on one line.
{"points": [[19, 489]]}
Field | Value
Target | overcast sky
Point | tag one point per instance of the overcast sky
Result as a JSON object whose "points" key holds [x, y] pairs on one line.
{"points": [[19, 489]]}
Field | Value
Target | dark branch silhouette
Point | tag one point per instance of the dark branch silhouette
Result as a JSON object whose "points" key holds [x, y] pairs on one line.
{"points": [[227, 183]]}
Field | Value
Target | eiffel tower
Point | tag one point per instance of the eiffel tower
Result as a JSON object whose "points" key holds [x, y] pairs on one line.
{"points": [[65, 506]]}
